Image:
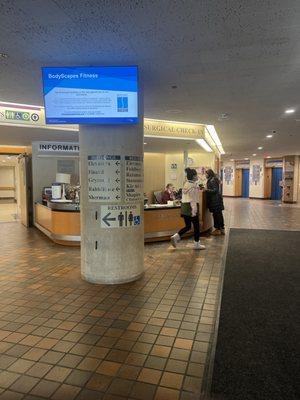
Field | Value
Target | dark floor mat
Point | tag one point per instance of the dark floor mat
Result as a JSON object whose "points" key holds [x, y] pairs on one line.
{"points": [[256, 353]]}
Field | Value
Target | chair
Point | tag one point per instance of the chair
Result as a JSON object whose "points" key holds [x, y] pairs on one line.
{"points": [[158, 196]]}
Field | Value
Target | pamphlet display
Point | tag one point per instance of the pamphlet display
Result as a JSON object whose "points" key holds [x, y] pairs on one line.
{"points": [[91, 95]]}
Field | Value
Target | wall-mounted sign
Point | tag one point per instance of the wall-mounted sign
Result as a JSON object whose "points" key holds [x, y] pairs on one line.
{"points": [[21, 114], [242, 164], [120, 216], [66, 166], [255, 174], [63, 148], [228, 175], [104, 178], [274, 163], [134, 178], [158, 128]]}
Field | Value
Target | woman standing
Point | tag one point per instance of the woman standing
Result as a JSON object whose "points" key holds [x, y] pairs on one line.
{"points": [[190, 209], [215, 202]]}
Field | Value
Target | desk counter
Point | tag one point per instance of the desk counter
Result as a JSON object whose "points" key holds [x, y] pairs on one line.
{"points": [[62, 224]]}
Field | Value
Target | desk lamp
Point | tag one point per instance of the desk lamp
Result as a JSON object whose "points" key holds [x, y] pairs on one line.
{"points": [[63, 179]]}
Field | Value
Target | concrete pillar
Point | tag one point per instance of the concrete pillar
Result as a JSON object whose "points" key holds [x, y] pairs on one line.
{"points": [[111, 201]]}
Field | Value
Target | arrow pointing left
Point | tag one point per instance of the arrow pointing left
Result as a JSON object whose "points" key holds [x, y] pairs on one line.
{"points": [[106, 219]]}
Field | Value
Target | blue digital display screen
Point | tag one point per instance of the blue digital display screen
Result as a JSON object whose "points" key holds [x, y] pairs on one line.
{"points": [[91, 95]]}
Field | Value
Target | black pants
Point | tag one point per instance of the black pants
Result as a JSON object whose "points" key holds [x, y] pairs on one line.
{"points": [[218, 220], [188, 226]]}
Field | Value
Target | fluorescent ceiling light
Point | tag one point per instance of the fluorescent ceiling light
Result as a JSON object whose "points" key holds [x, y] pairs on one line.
{"points": [[232, 159], [268, 156], [290, 111], [221, 150], [260, 148], [254, 154], [269, 136], [213, 134], [246, 158], [204, 145], [145, 143]]}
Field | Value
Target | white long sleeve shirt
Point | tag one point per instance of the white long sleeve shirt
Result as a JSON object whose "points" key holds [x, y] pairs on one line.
{"points": [[190, 194]]}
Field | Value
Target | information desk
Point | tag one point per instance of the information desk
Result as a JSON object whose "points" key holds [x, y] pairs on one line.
{"points": [[61, 222], [58, 223]]}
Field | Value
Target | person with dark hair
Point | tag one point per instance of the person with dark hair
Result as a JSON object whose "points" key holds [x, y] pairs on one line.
{"points": [[168, 194], [190, 209], [215, 202]]}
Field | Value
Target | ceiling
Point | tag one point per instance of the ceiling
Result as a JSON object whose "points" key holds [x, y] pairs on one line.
{"points": [[234, 57]]}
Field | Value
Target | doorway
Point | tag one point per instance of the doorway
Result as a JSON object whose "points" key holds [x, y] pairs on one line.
{"points": [[245, 183], [9, 188], [276, 192]]}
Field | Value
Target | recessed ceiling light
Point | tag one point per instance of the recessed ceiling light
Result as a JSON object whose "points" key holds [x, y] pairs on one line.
{"points": [[268, 156], [3, 55], [246, 158], [290, 111], [260, 148], [145, 143], [232, 159], [269, 136], [254, 154]]}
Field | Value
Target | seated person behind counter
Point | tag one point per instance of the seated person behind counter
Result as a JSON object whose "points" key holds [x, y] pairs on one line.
{"points": [[169, 194]]}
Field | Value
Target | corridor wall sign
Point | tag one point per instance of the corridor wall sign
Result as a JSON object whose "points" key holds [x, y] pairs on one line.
{"points": [[71, 148], [256, 174], [228, 175], [153, 127], [133, 178], [104, 178], [120, 216], [21, 114]]}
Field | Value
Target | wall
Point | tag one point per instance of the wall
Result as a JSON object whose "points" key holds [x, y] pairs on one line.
{"points": [[199, 160], [229, 184], [154, 173], [203, 160], [257, 187], [174, 176], [7, 180]]}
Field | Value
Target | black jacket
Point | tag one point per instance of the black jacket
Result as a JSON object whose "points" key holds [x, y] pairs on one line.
{"points": [[213, 196]]}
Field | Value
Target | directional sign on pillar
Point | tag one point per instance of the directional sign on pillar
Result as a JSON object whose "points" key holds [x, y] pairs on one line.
{"points": [[104, 178], [120, 216], [133, 178]]}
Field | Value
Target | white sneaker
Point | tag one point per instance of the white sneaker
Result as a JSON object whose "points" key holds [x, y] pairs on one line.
{"points": [[175, 239], [199, 246]]}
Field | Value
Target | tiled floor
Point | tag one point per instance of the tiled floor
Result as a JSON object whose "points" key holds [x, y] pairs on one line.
{"points": [[62, 338]]}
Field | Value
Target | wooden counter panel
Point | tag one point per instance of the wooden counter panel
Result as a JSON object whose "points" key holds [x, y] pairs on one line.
{"points": [[162, 220], [66, 223], [43, 216]]}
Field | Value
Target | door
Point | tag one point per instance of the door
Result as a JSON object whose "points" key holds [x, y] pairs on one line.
{"points": [[25, 189], [276, 192], [245, 183]]}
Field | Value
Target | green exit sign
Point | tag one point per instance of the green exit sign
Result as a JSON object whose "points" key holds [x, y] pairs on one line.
{"points": [[17, 115]]}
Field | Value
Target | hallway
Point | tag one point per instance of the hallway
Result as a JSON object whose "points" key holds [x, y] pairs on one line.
{"points": [[63, 338]]}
